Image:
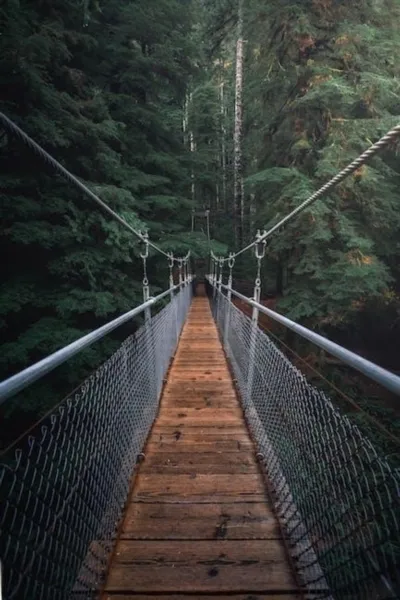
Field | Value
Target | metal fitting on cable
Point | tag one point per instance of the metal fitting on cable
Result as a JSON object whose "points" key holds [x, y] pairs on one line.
{"points": [[231, 264], [221, 266], [144, 256], [180, 261], [171, 269], [260, 245], [259, 249], [184, 262]]}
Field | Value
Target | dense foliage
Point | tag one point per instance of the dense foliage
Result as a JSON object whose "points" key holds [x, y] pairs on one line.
{"points": [[137, 98], [102, 87], [321, 84]]}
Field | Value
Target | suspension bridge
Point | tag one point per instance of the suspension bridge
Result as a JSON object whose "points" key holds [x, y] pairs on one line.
{"points": [[198, 461]]}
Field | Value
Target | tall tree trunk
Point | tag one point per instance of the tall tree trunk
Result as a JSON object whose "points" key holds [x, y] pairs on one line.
{"points": [[192, 149], [185, 120], [252, 215], [223, 136], [192, 146], [238, 194]]}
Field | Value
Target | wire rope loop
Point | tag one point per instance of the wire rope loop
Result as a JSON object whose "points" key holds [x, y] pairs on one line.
{"points": [[258, 282], [180, 263], [145, 282], [260, 245], [171, 260], [231, 260], [145, 240]]}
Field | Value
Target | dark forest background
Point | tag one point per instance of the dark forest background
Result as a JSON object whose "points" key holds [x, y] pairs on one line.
{"points": [[137, 98]]}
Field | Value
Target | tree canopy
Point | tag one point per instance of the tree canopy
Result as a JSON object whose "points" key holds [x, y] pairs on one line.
{"points": [[137, 98]]}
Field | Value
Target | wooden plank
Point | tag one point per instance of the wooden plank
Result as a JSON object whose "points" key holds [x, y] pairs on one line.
{"points": [[206, 415], [199, 376], [200, 521], [196, 402], [210, 387], [186, 444], [200, 488], [198, 566], [199, 462], [197, 432], [245, 596]]}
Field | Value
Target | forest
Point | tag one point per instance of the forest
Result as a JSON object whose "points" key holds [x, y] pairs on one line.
{"points": [[170, 108]]}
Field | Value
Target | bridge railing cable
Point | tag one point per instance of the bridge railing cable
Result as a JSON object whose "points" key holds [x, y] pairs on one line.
{"points": [[63, 486], [373, 150], [337, 496], [15, 130]]}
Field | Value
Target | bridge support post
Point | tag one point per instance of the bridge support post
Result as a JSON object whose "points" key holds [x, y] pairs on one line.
{"points": [[253, 344], [215, 277], [231, 263], [260, 253], [219, 285], [150, 346], [174, 303]]}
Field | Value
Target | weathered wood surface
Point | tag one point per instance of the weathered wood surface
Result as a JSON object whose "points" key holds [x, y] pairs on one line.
{"points": [[198, 520]]}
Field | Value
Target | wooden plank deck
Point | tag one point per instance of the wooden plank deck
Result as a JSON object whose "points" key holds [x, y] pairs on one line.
{"points": [[198, 522]]}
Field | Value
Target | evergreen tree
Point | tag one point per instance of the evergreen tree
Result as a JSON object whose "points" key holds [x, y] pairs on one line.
{"points": [[330, 87], [101, 86]]}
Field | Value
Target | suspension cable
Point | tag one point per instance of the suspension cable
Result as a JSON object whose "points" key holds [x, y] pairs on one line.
{"points": [[392, 135], [11, 127]]}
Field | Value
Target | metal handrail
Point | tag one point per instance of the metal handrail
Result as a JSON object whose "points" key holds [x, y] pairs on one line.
{"points": [[385, 378], [16, 383]]}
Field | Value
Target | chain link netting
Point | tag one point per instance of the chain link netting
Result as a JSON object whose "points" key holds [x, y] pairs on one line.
{"points": [[64, 489], [338, 500]]}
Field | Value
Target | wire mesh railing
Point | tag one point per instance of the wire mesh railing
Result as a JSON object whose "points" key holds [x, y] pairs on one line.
{"points": [[338, 500], [63, 488]]}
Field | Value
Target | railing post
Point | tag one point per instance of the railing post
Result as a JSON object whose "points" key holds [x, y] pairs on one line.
{"points": [[172, 296], [179, 303], [215, 277], [260, 253], [231, 263], [219, 286], [151, 364]]}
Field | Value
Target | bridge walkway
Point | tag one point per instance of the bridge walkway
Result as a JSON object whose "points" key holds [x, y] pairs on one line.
{"points": [[199, 521]]}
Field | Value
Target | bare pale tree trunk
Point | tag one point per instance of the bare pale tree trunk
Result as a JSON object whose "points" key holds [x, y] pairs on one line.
{"points": [[252, 214], [188, 137], [223, 136], [185, 120], [193, 149], [238, 194]]}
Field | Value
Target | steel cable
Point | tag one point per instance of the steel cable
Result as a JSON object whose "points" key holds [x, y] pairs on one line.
{"points": [[391, 136], [11, 127]]}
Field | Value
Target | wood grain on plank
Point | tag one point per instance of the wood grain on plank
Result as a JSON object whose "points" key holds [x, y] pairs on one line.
{"points": [[200, 566], [252, 520], [206, 445], [210, 415], [200, 462], [203, 488]]}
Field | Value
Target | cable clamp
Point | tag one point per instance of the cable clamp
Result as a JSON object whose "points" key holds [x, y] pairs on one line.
{"points": [[145, 240], [260, 245]]}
